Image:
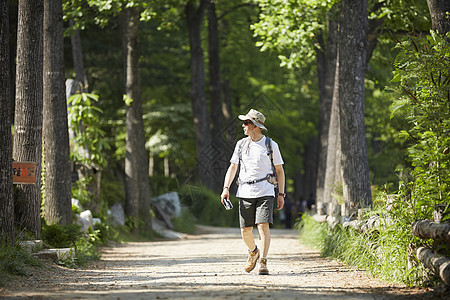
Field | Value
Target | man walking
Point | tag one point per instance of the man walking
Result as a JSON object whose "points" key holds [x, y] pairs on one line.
{"points": [[259, 160]]}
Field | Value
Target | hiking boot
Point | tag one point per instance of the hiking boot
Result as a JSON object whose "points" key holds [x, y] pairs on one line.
{"points": [[263, 268], [253, 257]]}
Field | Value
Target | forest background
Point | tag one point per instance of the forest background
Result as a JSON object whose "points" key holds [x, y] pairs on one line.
{"points": [[158, 86]]}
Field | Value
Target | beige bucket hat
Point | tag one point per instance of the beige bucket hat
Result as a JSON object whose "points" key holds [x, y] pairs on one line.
{"points": [[256, 117]]}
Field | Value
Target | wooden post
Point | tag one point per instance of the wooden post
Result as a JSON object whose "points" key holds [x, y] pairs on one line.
{"points": [[426, 229], [439, 264]]}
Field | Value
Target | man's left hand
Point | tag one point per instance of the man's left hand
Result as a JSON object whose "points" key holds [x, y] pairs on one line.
{"points": [[280, 202]]}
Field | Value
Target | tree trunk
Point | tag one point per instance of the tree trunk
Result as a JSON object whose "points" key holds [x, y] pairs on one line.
{"points": [[439, 19], [220, 163], [310, 166], [77, 55], [352, 66], [203, 143], [28, 112], [333, 166], [326, 64], [6, 185], [227, 111], [136, 161], [58, 194]]}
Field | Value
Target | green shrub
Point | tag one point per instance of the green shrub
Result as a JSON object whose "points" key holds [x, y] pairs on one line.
{"points": [[422, 76], [206, 207], [70, 236], [80, 192], [184, 223], [160, 184], [60, 236], [111, 190], [106, 232], [312, 233]]}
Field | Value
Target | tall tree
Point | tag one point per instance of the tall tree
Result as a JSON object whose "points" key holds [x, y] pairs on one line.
{"points": [[194, 15], [6, 185], [28, 111], [352, 67], [333, 176], [136, 161], [57, 204], [439, 10], [326, 65], [77, 56], [215, 89]]}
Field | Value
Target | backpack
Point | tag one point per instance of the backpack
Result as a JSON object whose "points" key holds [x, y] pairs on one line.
{"points": [[271, 178]]}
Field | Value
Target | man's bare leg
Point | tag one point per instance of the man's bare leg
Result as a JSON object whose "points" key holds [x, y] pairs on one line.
{"points": [[253, 253], [264, 236], [247, 236]]}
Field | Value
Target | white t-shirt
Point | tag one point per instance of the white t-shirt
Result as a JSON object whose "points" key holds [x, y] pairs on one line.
{"points": [[255, 164]]}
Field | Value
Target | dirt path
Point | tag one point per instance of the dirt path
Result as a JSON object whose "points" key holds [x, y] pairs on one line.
{"points": [[208, 266]]}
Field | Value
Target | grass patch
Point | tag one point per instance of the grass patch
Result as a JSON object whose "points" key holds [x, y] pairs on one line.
{"points": [[383, 253], [15, 261]]}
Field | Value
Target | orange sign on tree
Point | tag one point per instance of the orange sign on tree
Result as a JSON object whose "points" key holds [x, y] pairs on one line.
{"points": [[24, 172]]}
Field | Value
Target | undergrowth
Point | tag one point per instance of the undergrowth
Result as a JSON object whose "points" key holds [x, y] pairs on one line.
{"points": [[84, 245], [384, 253], [15, 261]]}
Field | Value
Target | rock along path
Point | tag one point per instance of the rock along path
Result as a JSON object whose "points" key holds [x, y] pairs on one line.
{"points": [[208, 265]]}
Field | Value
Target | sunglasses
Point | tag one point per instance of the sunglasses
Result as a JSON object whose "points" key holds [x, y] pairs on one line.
{"points": [[246, 122]]}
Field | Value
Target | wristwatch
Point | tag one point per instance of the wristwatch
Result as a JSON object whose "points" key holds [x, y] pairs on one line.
{"points": [[282, 194]]}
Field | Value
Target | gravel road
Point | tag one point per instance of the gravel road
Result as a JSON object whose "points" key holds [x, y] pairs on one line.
{"points": [[208, 265]]}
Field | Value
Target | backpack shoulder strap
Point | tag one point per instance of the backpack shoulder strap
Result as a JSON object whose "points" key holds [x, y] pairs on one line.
{"points": [[269, 147], [241, 143], [270, 152]]}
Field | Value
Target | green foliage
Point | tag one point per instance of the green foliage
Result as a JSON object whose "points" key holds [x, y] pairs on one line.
{"points": [[290, 28], [384, 253], [104, 233], [185, 222], [80, 192], [206, 207], [85, 120], [15, 261], [312, 233], [386, 151], [100, 12], [160, 184], [170, 129], [401, 15], [70, 236], [423, 83], [111, 191], [86, 251], [59, 236]]}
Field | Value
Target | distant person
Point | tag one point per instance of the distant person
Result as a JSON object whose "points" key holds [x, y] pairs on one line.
{"points": [[257, 156]]}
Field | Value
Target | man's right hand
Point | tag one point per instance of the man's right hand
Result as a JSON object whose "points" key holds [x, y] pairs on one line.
{"points": [[225, 194]]}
